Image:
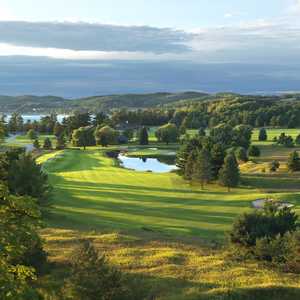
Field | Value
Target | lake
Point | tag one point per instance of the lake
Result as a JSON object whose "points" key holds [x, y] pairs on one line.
{"points": [[146, 164], [33, 118]]}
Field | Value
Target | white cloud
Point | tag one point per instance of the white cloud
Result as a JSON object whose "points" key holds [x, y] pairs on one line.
{"points": [[69, 54]]}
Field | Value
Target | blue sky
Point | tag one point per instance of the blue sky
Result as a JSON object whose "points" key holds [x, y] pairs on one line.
{"points": [[84, 47], [185, 14]]}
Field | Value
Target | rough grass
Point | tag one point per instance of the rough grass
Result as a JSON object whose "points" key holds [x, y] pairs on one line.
{"points": [[171, 270]]}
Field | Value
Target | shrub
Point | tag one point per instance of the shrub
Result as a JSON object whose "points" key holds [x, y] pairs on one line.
{"points": [[92, 278], [293, 163], [267, 223], [262, 136], [281, 249], [241, 154], [254, 151], [47, 144], [274, 166]]}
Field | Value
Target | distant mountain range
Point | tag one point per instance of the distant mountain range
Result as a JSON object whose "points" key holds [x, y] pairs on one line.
{"points": [[46, 104]]}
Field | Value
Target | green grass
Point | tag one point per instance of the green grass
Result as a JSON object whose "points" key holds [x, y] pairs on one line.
{"points": [[272, 133], [159, 230], [23, 140], [92, 193]]}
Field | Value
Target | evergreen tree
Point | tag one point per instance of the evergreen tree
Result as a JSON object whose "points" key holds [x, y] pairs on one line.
{"points": [[241, 154], [143, 136], [262, 136], [189, 165], [60, 142], [47, 144], [92, 278], [254, 151], [36, 144], [202, 170], [229, 175], [32, 134], [293, 163]]}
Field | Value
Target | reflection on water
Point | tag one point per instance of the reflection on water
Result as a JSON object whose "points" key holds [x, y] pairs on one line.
{"points": [[147, 164]]}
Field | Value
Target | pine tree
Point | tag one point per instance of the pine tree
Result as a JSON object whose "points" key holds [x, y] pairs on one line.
{"points": [[36, 144], [143, 136], [262, 136], [60, 142], [294, 162], [229, 175], [92, 277], [189, 166], [202, 170], [47, 144]]}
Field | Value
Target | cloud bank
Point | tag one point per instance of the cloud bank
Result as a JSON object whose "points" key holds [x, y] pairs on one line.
{"points": [[79, 59]]}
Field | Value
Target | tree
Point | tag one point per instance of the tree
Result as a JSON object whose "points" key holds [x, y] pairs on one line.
{"points": [[167, 133], [32, 134], [274, 166], [297, 140], [15, 123], [58, 129], [202, 170], [25, 177], [47, 144], [36, 144], [269, 222], [60, 142], [19, 221], [83, 137], [129, 133], [92, 278], [229, 175], [241, 154], [143, 136], [2, 132], [106, 136], [293, 163], [262, 136], [254, 151], [242, 136]]}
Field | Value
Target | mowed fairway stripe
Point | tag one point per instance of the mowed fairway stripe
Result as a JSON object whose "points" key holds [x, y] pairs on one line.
{"points": [[91, 192]]}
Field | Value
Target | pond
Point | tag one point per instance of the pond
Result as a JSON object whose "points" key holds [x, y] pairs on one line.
{"points": [[157, 165]]}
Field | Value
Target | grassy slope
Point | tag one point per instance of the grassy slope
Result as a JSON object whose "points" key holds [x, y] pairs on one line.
{"points": [[151, 226], [91, 193]]}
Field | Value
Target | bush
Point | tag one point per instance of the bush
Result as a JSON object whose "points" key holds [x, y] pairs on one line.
{"points": [[281, 249], [274, 166], [241, 154], [92, 278], [254, 151], [267, 223]]}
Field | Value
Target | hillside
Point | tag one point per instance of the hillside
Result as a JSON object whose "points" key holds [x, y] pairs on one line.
{"points": [[47, 104]]}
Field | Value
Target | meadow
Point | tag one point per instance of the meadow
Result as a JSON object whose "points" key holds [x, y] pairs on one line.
{"points": [[163, 232]]}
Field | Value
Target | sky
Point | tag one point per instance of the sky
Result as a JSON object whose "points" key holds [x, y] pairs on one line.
{"points": [[76, 48]]}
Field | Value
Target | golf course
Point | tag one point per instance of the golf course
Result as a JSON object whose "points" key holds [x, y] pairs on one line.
{"points": [[164, 231]]}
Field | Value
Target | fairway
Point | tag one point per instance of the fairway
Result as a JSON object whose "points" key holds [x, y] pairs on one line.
{"points": [[93, 193]]}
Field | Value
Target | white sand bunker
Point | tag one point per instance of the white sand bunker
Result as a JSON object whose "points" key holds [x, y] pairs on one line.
{"points": [[260, 203]]}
